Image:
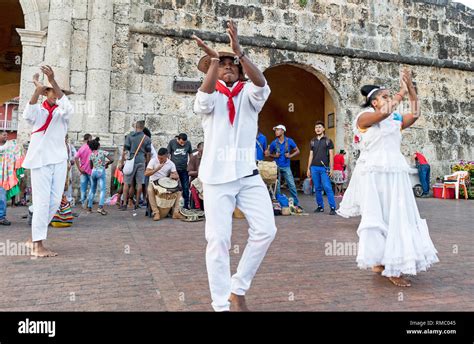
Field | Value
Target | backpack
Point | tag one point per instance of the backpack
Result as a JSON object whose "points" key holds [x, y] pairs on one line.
{"points": [[326, 139], [260, 145], [277, 145]]}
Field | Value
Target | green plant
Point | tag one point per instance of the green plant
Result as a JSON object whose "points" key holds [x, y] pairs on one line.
{"points": [[303, 3]]}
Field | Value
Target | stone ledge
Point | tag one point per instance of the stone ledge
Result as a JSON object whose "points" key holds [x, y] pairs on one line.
{"points": [[265, 42]]}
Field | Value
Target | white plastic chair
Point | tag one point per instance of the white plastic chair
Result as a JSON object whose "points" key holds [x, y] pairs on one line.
{"points": [[456, 180]]}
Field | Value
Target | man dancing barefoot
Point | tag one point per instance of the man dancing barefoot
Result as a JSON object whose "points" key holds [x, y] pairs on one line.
{"points": [[229, 107], [47, 156]]}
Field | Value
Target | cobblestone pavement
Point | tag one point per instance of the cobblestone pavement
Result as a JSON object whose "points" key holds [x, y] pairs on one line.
{"points": [[126, 262]]}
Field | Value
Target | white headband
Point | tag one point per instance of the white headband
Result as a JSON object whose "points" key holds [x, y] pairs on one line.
{"points": [[373, 91]]}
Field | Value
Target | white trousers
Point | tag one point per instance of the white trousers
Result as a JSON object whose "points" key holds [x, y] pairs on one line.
{"points": [[252, 198], [47, 184]]}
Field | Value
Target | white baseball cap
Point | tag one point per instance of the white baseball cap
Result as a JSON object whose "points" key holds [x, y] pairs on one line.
{"points": [[280, 126]]}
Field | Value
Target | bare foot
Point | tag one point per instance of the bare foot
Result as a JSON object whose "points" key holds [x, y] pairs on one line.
{"points": [[237, 303], [29, 244], [378, 269], [400, 281], [39, 251]]}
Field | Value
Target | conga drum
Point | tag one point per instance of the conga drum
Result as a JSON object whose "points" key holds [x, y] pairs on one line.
{"points": [[166, 194]]}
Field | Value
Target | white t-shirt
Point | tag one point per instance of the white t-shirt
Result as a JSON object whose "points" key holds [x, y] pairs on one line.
{"points": [[48, 147], [230, 149], [165, 171]]}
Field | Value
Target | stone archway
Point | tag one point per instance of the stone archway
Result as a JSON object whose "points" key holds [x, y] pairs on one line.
{"points": [[32, 15], [300, 96]]}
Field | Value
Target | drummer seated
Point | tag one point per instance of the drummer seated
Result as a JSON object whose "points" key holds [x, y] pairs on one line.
{"points": [[161, 166]]}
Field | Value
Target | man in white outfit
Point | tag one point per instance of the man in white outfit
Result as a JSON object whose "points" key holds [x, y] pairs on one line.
{"points": [[229, 107], [47, 155]]}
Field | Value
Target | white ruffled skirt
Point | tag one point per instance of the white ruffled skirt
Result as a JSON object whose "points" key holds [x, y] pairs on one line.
{"points": [[349, 206], [391, 232]]}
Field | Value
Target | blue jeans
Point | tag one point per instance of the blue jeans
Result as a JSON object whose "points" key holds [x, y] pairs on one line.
{"points": [[98, 176], [85, 182], [3, 203], [286, 173], [321, 181], [424, 174], [184, 178]]}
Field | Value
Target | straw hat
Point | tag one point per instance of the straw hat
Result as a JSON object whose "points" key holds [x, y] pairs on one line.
{"points": [[205, 61], [49, 87]]}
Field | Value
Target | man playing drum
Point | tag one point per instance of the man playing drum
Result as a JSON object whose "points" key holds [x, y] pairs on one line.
{"points": [[159, 168]]}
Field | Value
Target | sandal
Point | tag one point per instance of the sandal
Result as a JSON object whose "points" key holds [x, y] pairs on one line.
{"points": [[102, 211], [400, 281]]}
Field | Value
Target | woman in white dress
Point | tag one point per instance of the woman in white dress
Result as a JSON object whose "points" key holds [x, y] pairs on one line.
{"points": [[393, 239]]}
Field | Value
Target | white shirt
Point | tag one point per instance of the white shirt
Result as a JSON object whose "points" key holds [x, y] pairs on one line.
{"points": [[229, 152], [48, 147], [165, 171]]}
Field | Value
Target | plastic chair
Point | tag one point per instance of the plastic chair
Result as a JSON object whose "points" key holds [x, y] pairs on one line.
{"points": [[456, 180]]}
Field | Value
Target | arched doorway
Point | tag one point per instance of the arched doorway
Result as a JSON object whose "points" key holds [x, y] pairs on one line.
{"points": [[11, 18], [298, 99]]}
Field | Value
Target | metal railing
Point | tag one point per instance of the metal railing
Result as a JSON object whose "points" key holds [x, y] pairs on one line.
{"points": [[9, 125]]}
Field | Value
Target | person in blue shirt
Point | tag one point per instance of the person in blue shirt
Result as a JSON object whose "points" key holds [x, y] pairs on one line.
{"points": [[282, 149], [261, 147]]}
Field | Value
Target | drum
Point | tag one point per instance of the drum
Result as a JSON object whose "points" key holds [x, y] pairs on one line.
{"points": [[166, 194], [269, 172]]}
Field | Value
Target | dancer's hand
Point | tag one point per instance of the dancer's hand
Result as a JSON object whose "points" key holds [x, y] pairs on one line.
{"points": [[40, 88], [287, 155], [308, 173], [407, 77], [331, 172], [207, 49], [234, 38], [48, 71]]}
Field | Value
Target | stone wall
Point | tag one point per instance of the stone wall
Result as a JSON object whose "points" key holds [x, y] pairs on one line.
{"points": [[346, 44], [125, 54]]}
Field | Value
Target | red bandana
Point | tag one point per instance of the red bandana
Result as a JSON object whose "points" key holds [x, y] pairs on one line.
{"points": [[230, 103], [50, 109]]}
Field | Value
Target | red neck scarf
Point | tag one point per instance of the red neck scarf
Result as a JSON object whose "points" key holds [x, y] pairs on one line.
{"points": [[46, 124], [230, 94]]}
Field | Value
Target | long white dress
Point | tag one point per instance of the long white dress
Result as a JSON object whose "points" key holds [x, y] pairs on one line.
{"points": [[391, 231]]}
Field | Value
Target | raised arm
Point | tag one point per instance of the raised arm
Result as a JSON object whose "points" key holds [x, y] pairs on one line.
{"points": [[250, 69], [410, 118], [32, 110], [209, 83], [48, 71], [367, 119], [39, 90]]}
